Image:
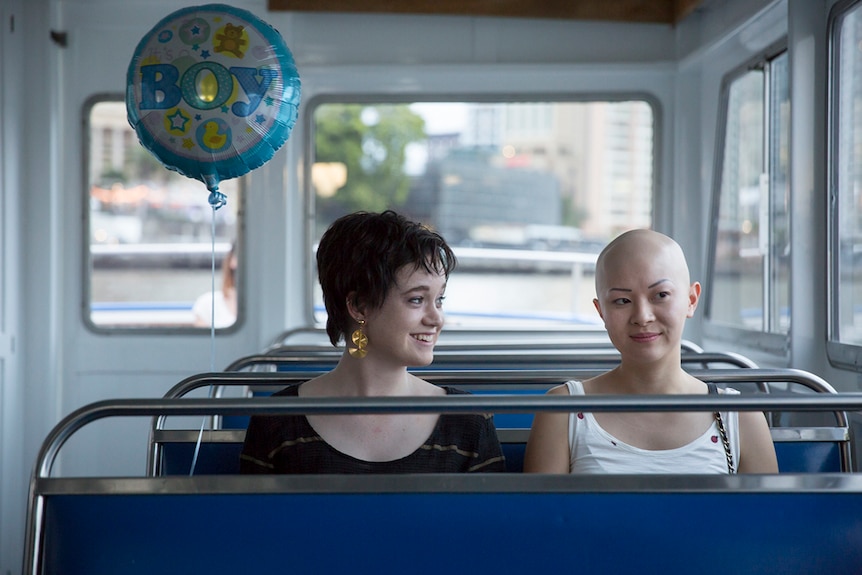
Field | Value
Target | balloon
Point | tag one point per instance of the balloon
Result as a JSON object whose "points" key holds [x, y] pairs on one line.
{"points": [[212, 91]]}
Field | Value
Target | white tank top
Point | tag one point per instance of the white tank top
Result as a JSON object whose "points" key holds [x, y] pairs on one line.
{"points": [[594, 450]]}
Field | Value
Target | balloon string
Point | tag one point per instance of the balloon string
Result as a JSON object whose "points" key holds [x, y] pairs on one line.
{"points": [[200, 436], [212, 286], [212, 321]]}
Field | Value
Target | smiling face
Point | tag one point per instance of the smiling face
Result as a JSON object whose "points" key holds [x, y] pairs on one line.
{"points": [[644, 296], [404, 329]]}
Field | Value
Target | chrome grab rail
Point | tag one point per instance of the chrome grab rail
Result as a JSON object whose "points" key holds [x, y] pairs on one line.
{"points": [[455, 404]]}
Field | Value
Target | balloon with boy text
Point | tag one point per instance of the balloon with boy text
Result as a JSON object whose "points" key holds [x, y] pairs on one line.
{"points": [[212, 91]]}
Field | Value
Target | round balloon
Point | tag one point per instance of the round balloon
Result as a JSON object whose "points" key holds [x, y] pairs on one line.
{"points": [[212, 91]]}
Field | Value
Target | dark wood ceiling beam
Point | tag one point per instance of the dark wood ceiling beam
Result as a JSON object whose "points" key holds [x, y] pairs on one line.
{"points": [[655, 11], [683, 8]]}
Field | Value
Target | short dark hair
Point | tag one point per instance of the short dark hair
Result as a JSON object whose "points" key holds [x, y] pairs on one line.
{"points": [[362, 253]]}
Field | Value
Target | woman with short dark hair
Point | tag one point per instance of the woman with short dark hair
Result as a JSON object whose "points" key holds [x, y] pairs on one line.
{"points": [[383, 279]]}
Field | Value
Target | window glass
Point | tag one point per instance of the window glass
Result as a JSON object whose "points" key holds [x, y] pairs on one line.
{"points": [[847, 217], [527, 193], [750, 283], [737, 287], [151, 235]]}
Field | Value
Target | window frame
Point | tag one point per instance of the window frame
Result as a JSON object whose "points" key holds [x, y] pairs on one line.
{"points": [[762, 339], [308, 119], [87, 255]]}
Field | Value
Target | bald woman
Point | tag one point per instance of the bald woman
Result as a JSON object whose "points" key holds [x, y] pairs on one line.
{"points": [[644, 295]]}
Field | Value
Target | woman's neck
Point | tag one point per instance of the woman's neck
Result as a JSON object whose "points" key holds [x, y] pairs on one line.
{"points": [[658, 378], [363, 378]]}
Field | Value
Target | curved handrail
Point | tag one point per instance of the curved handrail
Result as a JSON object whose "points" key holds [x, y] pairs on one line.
{"points": [[761, 377], [727, 357], [440, 404], [596, 358], [527, 347], [217, 381], [593, 334], [588, 337], [448, 377], [221, 380], [516, 376]]}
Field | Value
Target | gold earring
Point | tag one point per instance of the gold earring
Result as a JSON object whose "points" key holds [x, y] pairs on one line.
{"points": [[360, 340]]}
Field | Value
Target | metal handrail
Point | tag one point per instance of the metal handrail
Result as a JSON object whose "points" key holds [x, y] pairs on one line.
{"points": [[761, 377], [495, 376], [483, 355], [587, 337], [448, 377], [575, 333], [439, 404]]}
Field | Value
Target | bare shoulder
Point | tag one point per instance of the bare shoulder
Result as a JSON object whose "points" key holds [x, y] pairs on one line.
{"points": [[601, 384], [426, 388], [315, 387], [561, 389], [754, 422], [698, 385]]}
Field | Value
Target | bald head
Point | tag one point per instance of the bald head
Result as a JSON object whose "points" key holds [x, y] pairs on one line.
{"points": [[642, 249]]}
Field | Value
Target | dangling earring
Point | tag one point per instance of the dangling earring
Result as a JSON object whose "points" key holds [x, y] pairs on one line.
{"points": [[360, 340]]}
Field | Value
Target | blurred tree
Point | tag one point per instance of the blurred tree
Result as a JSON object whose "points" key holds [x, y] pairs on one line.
{"points": [[371, 141]]}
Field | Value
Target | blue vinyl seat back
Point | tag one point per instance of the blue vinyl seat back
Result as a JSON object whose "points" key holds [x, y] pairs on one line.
{"points": [[808, 456], [537, 532], [793, 456], [501, 420], [223, 458], [213, 458]]}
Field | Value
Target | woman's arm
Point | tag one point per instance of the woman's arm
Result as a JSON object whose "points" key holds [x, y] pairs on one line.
{"points": [[757, 452], [548, 445]]}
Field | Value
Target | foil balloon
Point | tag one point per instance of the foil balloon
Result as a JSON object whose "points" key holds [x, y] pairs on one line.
{"points": [[212, 91]]}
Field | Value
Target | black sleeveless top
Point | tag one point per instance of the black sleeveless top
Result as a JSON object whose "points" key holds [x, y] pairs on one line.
{"points": [[460, 442]]}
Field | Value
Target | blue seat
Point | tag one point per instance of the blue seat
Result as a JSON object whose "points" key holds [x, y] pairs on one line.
{"points": [[800, 449], [221, 456], [213, 458], [515, 524], [808, 456]]}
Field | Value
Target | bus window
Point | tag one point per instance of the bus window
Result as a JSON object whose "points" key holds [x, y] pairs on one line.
{"points": [[846, 176], [750, 250], [527, 193], [150, 249]]}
